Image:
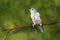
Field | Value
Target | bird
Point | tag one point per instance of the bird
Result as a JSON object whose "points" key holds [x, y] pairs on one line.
{"points": [[36, 19]]}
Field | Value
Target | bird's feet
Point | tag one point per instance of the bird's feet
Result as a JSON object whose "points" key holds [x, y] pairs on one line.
{"points": [[33, 25]]}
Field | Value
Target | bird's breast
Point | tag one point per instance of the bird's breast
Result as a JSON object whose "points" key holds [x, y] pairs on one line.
{"points": [[35, 17]]}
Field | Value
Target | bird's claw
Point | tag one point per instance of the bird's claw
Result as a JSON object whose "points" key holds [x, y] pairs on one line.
{"points": [[33, 25]]}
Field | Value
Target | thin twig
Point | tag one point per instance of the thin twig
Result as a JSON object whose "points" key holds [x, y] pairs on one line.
{"points": [[4, 38], [50, 23]]}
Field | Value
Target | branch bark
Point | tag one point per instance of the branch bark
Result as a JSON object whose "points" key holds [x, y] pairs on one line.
{"points": [[49, 23]]}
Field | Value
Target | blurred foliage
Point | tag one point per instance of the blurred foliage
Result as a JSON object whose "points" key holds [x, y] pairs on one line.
{"points": [[15, 13]]}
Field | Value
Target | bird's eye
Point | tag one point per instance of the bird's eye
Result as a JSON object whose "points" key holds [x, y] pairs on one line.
{"points": [[32, 9]]}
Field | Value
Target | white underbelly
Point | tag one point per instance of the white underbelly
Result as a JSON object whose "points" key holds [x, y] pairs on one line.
{"points": [[36, 19]]}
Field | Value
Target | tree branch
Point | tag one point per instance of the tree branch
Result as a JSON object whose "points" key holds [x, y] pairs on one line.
{"points": [[50, 23]]}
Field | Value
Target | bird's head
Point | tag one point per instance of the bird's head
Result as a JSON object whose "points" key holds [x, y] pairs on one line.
{"points": [[32, 10]]}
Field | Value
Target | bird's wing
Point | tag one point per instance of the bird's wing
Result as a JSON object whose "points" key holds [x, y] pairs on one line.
{"points": [[38, 14], [37, 17]]}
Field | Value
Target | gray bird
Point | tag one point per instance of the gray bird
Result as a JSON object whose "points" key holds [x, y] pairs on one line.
{"points": [[35, 16]]}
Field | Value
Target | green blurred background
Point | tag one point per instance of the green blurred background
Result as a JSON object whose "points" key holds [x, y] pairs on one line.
{"points": [[15, 13]]}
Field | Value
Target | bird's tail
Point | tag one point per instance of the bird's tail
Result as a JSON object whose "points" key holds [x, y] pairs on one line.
{"points": [[42, 28]]}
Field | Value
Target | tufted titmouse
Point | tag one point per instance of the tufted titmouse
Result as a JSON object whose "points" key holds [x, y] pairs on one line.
{"points": [[35, 16]]}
